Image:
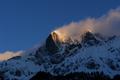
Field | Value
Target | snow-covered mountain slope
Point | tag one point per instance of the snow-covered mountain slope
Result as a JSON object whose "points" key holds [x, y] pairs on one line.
{"points": [[94, 53]]}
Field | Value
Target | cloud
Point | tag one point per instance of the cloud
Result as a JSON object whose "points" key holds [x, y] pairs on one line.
{"points": [[107, 25], [9, 54]]}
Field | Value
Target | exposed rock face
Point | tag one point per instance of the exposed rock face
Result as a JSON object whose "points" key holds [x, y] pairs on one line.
{"points": [[53, 43], [89, 39]]}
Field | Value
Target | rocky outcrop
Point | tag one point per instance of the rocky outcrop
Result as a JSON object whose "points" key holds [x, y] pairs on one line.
{"points": [[89, 39], [53, 43]]}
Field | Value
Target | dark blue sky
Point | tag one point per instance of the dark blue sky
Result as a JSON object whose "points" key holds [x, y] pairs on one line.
{"points": [[24, 23]]}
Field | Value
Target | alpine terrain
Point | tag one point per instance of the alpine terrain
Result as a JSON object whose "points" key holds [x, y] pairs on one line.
{"points": [[92, 57]]}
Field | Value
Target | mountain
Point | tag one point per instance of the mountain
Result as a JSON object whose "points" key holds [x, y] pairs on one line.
{"points": [[94, 57]]}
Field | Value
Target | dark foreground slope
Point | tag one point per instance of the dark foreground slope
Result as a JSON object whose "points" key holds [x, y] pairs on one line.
{"points": [[74, 76]]}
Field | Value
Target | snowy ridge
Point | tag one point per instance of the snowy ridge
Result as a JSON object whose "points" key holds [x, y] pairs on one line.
{"points": [[105, 57]]}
